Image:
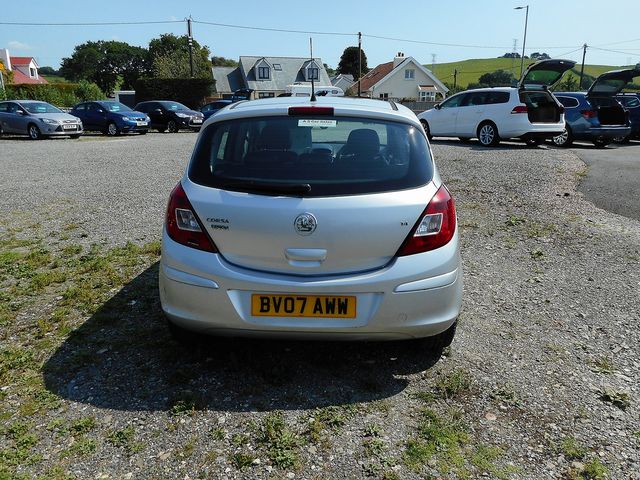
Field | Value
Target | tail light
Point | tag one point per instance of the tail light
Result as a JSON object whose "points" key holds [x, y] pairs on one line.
{"points": [[520, 109], [183, 225], [589, 113], [436, 225]]}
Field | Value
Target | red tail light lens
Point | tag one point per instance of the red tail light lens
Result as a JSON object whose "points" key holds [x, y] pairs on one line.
{"points": [[436, 225], [183, 225], [308, 111], [520, 109], [589, 113]]}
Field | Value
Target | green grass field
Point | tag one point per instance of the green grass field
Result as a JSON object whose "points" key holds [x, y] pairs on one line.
{"points": [[469, 71]]}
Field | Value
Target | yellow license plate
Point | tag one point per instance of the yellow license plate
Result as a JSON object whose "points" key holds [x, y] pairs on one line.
{"points": [[324, 306]]}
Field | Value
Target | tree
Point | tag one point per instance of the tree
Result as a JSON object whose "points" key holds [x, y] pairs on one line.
{"points": [[48, 71], [169, 57], [107, 64], [499, 78], [223, 62], [330, 71], [540, 56], [349, 62]]}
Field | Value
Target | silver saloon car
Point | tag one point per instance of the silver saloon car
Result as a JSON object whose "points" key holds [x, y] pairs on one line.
{"points": [[318, 219], [37, 120]]}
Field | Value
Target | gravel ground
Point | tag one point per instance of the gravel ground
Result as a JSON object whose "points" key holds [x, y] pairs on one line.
{"points": [[542, 380]]}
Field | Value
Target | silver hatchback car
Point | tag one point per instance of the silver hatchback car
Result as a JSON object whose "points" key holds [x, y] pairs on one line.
{"points": [[318, 219], [37, 119]]}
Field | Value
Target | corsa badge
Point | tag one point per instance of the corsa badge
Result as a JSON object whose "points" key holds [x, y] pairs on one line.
{"points": [[305, 224]]}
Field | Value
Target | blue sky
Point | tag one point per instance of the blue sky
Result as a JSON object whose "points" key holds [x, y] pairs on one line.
{"points": [[484, 29]]}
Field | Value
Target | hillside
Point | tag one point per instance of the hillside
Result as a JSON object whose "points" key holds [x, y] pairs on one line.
{"points": [[469, 71]]}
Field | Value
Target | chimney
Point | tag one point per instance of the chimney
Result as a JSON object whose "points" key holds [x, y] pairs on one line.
{"points": [[399, 58], [6, 59]]}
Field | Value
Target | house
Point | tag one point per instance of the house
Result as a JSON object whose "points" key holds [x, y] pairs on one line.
{"points": [[25, 69], [404, 79], [344, 81], [269, 76]]}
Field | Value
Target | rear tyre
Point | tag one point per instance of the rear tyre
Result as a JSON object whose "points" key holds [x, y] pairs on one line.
{"points": [[488, 134], [622, 139], [112, 129], [74, 137], [143, 132], [436, 344], [565, 139], [1, 130], [34, 132], [172, 126], [533, 142], [425, 126], [601, 142]]}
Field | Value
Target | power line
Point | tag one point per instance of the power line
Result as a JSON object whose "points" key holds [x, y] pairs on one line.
{"points": [[282, 30], [88, 24], [616, 51]]}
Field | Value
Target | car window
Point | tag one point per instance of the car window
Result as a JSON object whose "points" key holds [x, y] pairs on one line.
{"points": [[473, 99], [333, 155], [453, 101], [629, 102], [4, 107], [568, 102], [81, 107], [497, 97], [173, 106], [115, 107], [40, 107]]}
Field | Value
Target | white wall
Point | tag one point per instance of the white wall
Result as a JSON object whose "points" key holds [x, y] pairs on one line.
{"points": [[398, 87]]}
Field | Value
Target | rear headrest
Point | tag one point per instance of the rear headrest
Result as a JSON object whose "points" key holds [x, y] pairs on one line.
{"points": [[364, 142], [274, 137]]}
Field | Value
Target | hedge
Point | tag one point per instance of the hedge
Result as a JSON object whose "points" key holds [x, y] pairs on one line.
{"points": [[189, 91], [59, 94]]}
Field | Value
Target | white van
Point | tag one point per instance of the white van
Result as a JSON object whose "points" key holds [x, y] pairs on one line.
{"points": [[304, 90]]}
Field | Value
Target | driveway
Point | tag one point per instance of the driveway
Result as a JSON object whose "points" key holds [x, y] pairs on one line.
{"points": [[613, 180]]}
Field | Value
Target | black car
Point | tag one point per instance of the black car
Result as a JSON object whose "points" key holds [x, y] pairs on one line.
{"points": [[110, 117], [170, 115], [630, 101]]}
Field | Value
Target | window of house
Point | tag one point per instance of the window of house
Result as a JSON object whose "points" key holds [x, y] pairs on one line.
{"points": [[263, 73], [409, 74], [32, 72], [384, 96], [266, 94], [277, 66], [426, 96], [313, 73]]}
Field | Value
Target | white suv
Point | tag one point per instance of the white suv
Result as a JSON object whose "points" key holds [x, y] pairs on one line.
{"points": [[315, 219], [528, 111]]}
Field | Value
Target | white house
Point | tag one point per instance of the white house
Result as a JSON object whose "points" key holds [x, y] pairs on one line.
{"points": [[25, 69], [403, 79]]}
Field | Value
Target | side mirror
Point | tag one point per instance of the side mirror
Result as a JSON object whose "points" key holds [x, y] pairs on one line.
{"points": [[20, 112], [437, 106], [100, 110], [158, 110]]}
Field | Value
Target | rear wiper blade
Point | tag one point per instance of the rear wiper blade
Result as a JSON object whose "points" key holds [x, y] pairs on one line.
{"points": [[266, 187]]}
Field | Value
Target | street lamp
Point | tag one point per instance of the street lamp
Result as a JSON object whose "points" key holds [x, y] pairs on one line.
{"points": [[524, 42]]}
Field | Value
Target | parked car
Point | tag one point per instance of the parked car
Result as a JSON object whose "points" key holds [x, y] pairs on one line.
{"points": [[110, 117], [630, 101], [170, 115], [213, 107], [37, 120], [323, 219], [596, 115], [527, 111]]}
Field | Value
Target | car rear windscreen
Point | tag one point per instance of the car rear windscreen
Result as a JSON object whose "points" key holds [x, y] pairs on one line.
{"points": [[311, 156]]}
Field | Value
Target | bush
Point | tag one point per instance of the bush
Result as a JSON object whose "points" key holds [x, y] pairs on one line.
{"points": [[59, 94], [189, 91]]}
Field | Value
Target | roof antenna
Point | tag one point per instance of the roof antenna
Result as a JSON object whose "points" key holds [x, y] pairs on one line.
{"points": [[313, 88]]}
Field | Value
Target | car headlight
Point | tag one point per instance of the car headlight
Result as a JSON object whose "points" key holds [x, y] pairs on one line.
{"points": [[147, 118], [49, 121], [183, 115], [127, 119]]}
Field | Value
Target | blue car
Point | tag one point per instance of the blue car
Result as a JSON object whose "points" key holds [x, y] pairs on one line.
{"points": [[631, 101], [110, 117], [213, 107], [596, 115]]}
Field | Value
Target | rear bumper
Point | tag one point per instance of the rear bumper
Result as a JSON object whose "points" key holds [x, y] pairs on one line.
{"points": [[607, 132], [413, 297], [521, 127]]}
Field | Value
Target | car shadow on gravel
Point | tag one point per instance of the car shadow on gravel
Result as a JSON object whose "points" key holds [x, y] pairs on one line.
{"points": [[474, 145], [123, 358]]}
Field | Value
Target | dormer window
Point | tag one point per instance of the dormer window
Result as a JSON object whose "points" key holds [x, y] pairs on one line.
{"points": [[32, 72], [263, 73], [314, 73]]}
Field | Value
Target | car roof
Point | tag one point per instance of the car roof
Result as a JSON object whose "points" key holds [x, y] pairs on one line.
{"points": [[343, 106], [490, 89]]}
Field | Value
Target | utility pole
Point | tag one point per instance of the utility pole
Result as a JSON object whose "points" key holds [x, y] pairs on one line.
{"points": [[455, 78], [524, 41], [433, 62], [190, 36], [359, 61], [584, 54]]}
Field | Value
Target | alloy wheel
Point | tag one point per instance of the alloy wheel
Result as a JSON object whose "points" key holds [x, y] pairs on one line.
{"points": [[487, 135]]}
